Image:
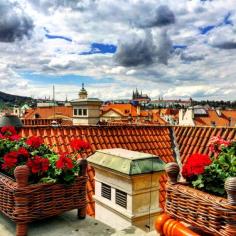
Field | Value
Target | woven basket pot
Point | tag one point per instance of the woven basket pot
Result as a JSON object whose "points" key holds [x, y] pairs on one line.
{"points": [[212, 214], [25, 203]]}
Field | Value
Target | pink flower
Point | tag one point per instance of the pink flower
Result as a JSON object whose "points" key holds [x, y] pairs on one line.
{"points": [[216, 144]]}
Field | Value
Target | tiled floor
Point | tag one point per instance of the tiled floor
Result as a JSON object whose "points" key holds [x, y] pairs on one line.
{"points": [[68, 225]]}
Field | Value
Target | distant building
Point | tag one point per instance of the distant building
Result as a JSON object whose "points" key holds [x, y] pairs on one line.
{"points": [[56, 112], [140, 97], [46, 104], [163, 103], [120, 112], [20, 111], [128, 113], [200, 116], [86, 111], [170, 115]]}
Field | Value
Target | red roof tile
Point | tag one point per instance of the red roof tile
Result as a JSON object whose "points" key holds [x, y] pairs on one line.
{"points": [[48, 112], [128, 137], [123, 109], [226, 118], [149, 139], [195, 139]]}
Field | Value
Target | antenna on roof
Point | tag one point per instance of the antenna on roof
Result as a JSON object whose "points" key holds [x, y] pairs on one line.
{"points": [[53, 102]]}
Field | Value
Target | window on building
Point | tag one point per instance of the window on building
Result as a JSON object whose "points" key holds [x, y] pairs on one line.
{"points": [[84, 112], [80, 112], [36, 116], [106, 191], [121, 198]]}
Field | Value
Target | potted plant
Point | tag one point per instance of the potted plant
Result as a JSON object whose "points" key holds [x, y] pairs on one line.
{"points": [[208, 197], [36, 182]]}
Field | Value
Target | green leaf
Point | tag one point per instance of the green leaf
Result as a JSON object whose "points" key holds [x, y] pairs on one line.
{"points": [[47, 180]]}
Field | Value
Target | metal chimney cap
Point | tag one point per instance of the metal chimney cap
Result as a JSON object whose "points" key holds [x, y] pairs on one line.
{"points": [[126, 161]]}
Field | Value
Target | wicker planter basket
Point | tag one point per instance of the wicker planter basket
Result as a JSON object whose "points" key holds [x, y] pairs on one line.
{"points": [[212, 214], [25, 203]]}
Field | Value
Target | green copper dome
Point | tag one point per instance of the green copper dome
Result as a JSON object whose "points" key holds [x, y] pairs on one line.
{"points": [[126, 161]]}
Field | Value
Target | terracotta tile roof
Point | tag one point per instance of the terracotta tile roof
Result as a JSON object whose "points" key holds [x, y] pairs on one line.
{"points": [[226, 118], [124, 109], [48, 112], [149, 139], [195, 139], [158, 119], [114, 110]]}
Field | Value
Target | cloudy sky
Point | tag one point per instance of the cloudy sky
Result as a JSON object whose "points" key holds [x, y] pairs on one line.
{"points": [[169, 48]]}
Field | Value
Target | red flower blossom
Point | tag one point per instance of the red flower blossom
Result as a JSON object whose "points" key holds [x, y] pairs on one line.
{"points": [[195, 165], [38, 164], [34, 142], [79, 144], [23, 152], [15, 137], [216, 144], [1, 136], [8, 131], [10, 160], [64, 162]]}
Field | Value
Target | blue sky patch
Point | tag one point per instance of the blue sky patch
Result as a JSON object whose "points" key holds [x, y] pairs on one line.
{"points": [[49, 36], [226, 21], [97, 48], [179, 46], [206, 29], [69, 79]]}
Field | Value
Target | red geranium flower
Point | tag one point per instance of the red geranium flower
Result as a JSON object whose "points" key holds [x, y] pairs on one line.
{"points": [[34, 142], [15, 137], [1, 136], [38, 164], [79, 144], [195, 165], [64, 162], [23, 152], [10, 160], [8, 130]]}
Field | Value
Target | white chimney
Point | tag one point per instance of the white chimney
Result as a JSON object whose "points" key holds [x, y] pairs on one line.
{"points": [[218, 111], [126, 188]]}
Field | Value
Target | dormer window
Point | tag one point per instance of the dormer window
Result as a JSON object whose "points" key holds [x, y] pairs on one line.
{"points": [[36, 116]]}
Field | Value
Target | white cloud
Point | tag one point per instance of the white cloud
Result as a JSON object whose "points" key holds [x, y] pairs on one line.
{"points": [[204, 68]]}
